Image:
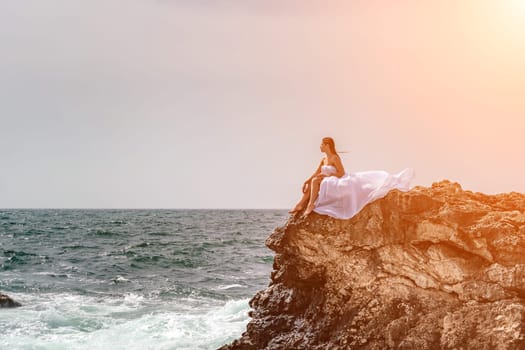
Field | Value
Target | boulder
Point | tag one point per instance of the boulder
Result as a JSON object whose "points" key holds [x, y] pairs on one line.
{"points": [[6, 301]]}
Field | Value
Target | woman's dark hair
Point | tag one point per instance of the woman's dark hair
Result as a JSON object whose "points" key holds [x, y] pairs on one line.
{"points": [[331, 144]]}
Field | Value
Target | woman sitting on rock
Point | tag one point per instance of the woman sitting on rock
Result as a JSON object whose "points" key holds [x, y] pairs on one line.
{"points": [[331, 191]]}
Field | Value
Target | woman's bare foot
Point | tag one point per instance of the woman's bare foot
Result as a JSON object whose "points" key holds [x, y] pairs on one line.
{"points": [[308, 210], [296, 209]]}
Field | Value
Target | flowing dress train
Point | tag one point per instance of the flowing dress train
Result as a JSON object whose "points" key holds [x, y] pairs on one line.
{"points": [[343, 197]]}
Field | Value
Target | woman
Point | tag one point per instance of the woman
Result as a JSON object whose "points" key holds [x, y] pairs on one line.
{"points": [[331, 191], [311, 186]]}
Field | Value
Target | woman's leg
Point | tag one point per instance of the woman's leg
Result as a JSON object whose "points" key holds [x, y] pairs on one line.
{"points": [[302, 202], [314, 193]]}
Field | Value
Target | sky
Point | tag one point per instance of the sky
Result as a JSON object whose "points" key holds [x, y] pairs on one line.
{"points": [[223, 103]]}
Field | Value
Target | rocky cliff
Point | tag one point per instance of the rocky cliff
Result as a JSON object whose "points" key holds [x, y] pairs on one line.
{"points": [[432, 268]]}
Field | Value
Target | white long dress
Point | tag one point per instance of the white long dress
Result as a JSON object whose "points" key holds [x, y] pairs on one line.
{"points": [[343, 197]]}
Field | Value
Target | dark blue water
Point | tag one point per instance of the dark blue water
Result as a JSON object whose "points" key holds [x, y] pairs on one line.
{"points": [[131, 279]]}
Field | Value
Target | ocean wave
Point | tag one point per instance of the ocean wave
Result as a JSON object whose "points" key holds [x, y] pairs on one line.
{"points": [[119, 279], [136, 279], [230, 286], [13, 253], [53, 274], [130, 321], [217, 326], [78, 247], [11, 259], [105, 233]]}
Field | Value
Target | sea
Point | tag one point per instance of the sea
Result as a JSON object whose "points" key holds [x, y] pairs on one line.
{"points": [[131, 279]]}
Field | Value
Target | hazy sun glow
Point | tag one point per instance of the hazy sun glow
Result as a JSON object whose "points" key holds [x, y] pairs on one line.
{"points": [[517, 6], [175, 103]]}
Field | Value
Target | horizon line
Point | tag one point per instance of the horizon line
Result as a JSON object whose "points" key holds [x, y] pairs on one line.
{"points": [[122, 208]]}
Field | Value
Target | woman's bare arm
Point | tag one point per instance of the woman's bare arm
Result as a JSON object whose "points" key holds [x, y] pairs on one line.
{"points": [[316, 173]]}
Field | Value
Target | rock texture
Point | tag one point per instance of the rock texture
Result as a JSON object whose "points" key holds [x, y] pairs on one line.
{"points": [[6, 301], [432, 268]]}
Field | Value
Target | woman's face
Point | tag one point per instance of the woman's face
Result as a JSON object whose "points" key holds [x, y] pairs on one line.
{"points": [[323, 146]]}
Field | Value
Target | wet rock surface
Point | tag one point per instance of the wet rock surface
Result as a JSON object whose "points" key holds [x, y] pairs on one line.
{"points": [[6, 301], [432, 268]]}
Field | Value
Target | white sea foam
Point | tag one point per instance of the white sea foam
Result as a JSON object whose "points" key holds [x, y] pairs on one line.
{"points": [[119, 279], [230, 286], [67, 321]]}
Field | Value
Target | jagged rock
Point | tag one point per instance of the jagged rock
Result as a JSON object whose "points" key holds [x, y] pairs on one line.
{"points": [[6, 301], [432, 268]]}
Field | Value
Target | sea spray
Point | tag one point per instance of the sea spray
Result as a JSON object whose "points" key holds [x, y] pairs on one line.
{"points": [[66, 321]]}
